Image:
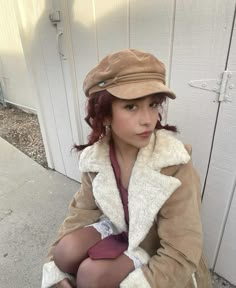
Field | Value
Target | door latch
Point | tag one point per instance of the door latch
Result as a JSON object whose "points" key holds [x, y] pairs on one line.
{"points": [[55, 17]]}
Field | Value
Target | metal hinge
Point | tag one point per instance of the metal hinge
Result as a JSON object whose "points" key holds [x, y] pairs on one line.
{"points": [[224, 86]]}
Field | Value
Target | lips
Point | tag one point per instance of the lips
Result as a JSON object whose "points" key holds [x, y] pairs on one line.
{"points": [[145, 134]]}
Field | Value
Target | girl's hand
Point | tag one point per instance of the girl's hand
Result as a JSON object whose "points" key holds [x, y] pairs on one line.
{"points": [[65, 283]]}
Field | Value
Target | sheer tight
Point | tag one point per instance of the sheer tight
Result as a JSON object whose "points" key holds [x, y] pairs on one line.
{"points": [[70, 256]]}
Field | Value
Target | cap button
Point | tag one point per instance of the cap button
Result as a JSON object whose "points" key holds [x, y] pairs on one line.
{"points": [[101, 84]]}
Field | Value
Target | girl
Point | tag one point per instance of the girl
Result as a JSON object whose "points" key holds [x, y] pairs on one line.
{"points": [[135, 221]]}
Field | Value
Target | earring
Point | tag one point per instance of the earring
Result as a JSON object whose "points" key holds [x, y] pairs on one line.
{"points": [[107, 129]]}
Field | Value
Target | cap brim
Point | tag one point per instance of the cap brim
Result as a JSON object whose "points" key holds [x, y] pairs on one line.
{"points": [[140, 89]]}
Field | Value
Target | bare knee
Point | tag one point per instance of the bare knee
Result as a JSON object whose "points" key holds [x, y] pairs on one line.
{"points": [[65, 256], [72, 248], [90, 275]]}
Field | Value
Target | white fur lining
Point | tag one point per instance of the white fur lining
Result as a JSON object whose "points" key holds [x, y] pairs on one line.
{"points": [[139, 253], [168, 151], [194, 280], [152, 189], [53, 275], [163, 150], [135, 279], [107, 196]]}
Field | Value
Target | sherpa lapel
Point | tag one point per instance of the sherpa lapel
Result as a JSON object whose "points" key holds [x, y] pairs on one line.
{"points": [[148, 188], [96, 159]]}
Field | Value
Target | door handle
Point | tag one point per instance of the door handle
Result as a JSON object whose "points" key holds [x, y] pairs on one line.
{"points": [[59, 34]]}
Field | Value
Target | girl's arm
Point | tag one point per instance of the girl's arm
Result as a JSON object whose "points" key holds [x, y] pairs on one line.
{"points": [[82, 212], [179, 228]]}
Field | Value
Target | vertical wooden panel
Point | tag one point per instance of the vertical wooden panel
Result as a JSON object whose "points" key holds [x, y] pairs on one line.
{"points": [[215, 205], [13, 75], [26, 20], [225, 264], [151, 24], [111, 25], [84, 43], [41, 49], [220, 222], [201, 38], [58, 96]]}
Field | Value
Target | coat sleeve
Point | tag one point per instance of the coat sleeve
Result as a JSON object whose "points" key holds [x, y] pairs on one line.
{"points": [[180, 232], [82, 209], [82, 212]]}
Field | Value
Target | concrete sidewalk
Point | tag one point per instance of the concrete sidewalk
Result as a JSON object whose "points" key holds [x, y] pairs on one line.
{"points": [[33, 203]]}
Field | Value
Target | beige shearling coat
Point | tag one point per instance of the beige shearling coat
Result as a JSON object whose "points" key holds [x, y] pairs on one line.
{"points": [[165, 230]]}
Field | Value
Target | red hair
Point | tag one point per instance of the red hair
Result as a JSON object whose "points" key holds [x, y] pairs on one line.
{"points": [[99, 108]]}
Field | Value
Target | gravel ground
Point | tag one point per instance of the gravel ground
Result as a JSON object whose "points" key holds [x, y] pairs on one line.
{"points": [[22, 130], [218, 282]]}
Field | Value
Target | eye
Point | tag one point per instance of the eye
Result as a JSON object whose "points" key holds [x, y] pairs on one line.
{"points": [[154, 104], [130, 107]]}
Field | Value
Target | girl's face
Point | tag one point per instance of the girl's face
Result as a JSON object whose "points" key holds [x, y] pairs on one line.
{"points": [[133, 121]]}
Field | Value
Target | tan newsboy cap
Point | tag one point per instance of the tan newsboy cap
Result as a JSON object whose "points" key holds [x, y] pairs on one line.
{"points": [[128, 74]]}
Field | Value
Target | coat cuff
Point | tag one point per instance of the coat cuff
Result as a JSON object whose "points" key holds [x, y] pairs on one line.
{"points": [[53, 275], [139, 253], [139, 256], [135, 279]]}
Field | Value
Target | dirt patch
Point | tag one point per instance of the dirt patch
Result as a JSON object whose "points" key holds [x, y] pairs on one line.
{"points": [[22, 130]]}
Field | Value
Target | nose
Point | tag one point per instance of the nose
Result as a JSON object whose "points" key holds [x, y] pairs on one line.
{"points": [[145, 117]]}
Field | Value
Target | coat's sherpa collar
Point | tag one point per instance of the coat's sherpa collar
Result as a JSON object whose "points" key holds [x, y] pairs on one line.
{"points": [[147, 185], [162, 151]]}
